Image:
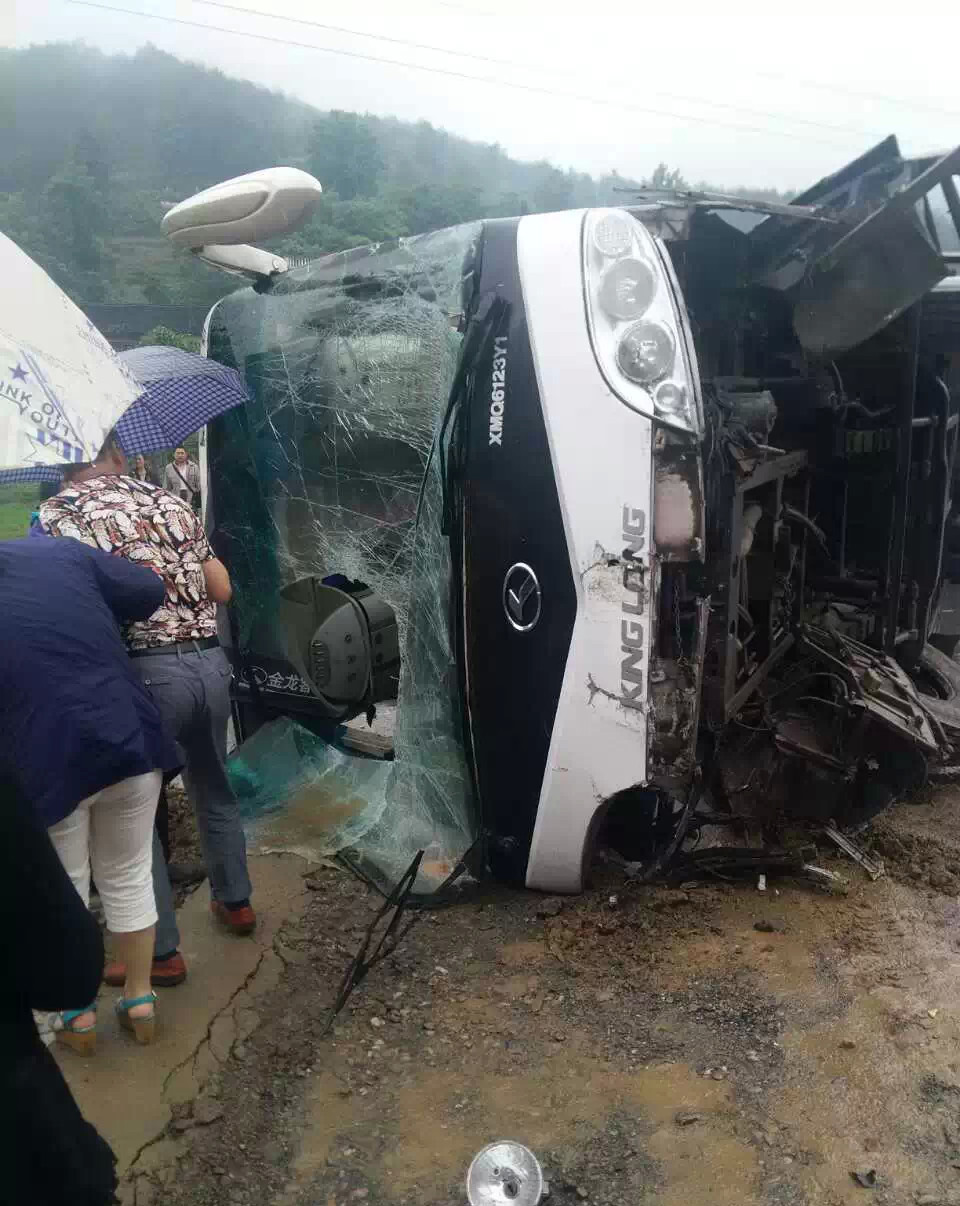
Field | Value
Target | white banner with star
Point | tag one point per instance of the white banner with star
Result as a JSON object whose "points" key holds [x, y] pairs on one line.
{"points": [[62, 388]]}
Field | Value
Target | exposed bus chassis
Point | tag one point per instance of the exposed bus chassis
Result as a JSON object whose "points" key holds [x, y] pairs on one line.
{"points": [[803, 636]]}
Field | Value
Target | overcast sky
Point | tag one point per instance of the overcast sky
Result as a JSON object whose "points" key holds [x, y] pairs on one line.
{"points": [[745, 92]]}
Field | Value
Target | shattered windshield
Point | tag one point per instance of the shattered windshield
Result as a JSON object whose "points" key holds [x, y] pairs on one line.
{"points": [[349, 363]]}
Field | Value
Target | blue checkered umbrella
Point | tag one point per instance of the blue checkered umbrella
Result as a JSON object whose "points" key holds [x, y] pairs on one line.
{"points": [[182, 392]]}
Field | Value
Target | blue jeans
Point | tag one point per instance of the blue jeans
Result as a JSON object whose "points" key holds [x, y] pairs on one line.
{"points": [[192, 692]]}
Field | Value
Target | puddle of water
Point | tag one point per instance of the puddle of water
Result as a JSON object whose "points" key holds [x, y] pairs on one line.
{"points": [[299, 793], [311, 823]]}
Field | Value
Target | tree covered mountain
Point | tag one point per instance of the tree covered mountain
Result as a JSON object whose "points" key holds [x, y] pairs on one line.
{"points": [[97, 147]]}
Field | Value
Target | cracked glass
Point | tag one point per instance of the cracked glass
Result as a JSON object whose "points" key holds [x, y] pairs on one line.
{"points": [[328, 470]]}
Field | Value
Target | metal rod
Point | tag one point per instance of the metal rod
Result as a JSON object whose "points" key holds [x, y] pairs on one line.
{"points": [[953, 204], [842, 554], [901, 497], [754, 383], [758, 676], [929, 222]]}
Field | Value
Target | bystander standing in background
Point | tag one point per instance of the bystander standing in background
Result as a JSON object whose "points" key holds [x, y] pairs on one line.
{"points": [[141, 470], [182, 478]]}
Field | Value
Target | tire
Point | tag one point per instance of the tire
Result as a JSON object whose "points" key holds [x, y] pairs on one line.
{"points": [[937, 678]]}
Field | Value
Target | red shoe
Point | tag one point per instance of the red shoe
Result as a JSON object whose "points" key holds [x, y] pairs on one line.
{"points": [[165, 973], [238, 921]]}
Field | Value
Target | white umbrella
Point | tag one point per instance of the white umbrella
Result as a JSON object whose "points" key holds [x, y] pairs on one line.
{"points": [[62, 388]]}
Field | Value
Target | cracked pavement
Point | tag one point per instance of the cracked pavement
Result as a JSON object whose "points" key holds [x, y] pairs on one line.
{"points": [[140, 1097]]}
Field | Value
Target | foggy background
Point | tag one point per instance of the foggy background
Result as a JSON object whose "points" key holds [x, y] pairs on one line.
{"points": [[745, 93]]}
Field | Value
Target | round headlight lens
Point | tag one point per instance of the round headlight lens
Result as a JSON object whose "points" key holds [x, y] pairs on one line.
{"points": [[646, 352], [671, 399], [613, 235], [627, 288]]}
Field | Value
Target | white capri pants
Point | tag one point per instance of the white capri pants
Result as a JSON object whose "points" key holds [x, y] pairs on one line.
{"points": [[113, 830]]}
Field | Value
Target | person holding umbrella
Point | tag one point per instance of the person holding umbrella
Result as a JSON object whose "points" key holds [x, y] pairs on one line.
{"points": [[71, 408], [178, 656], [78, 733]]}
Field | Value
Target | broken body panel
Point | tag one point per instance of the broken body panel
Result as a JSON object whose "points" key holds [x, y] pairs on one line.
{"points": [[642, 518]]}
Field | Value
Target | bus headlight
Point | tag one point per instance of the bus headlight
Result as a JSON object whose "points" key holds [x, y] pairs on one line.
{"points": [[638, 322], [627, 288], [612, 235], [646, 353]]}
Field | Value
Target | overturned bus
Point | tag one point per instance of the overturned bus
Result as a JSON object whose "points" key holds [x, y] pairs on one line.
{"points": [[625, 516]]}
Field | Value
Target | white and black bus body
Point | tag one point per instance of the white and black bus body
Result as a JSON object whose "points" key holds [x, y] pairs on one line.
{"points": [[682, 452]]}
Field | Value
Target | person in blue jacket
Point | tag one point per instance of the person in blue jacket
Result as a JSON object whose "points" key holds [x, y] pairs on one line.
{"points": [[82, 740]]}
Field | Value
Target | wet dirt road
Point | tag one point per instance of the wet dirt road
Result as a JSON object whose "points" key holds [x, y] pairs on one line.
{"points": [[650, 1044]]}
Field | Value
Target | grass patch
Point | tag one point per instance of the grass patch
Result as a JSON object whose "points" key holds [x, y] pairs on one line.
{"points": [[16, 504]]}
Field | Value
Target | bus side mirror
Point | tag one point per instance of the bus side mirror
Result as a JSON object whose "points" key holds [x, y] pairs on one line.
{"points": [[343, 640], [247, 209]]}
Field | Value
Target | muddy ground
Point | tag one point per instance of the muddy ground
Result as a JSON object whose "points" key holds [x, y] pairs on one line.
{"points": [[703, 1044]]}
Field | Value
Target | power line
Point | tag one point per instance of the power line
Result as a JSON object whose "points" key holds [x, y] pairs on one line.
{"points": [[469, 9], [524, 65], [858, 93], [783, 77], [535, 89]]}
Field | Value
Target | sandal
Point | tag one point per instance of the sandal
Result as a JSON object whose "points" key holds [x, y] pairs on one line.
{"points": [[141, 1027], [81, 1039]]}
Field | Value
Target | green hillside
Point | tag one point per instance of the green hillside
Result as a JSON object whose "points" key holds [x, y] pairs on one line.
{"points": [[97, 147]]}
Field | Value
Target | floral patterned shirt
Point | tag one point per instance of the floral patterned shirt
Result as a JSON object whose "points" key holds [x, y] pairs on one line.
{"points": [[138, 520]]}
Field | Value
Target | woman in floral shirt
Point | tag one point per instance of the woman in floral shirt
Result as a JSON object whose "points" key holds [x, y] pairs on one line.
{"points": [[179, 658]]}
